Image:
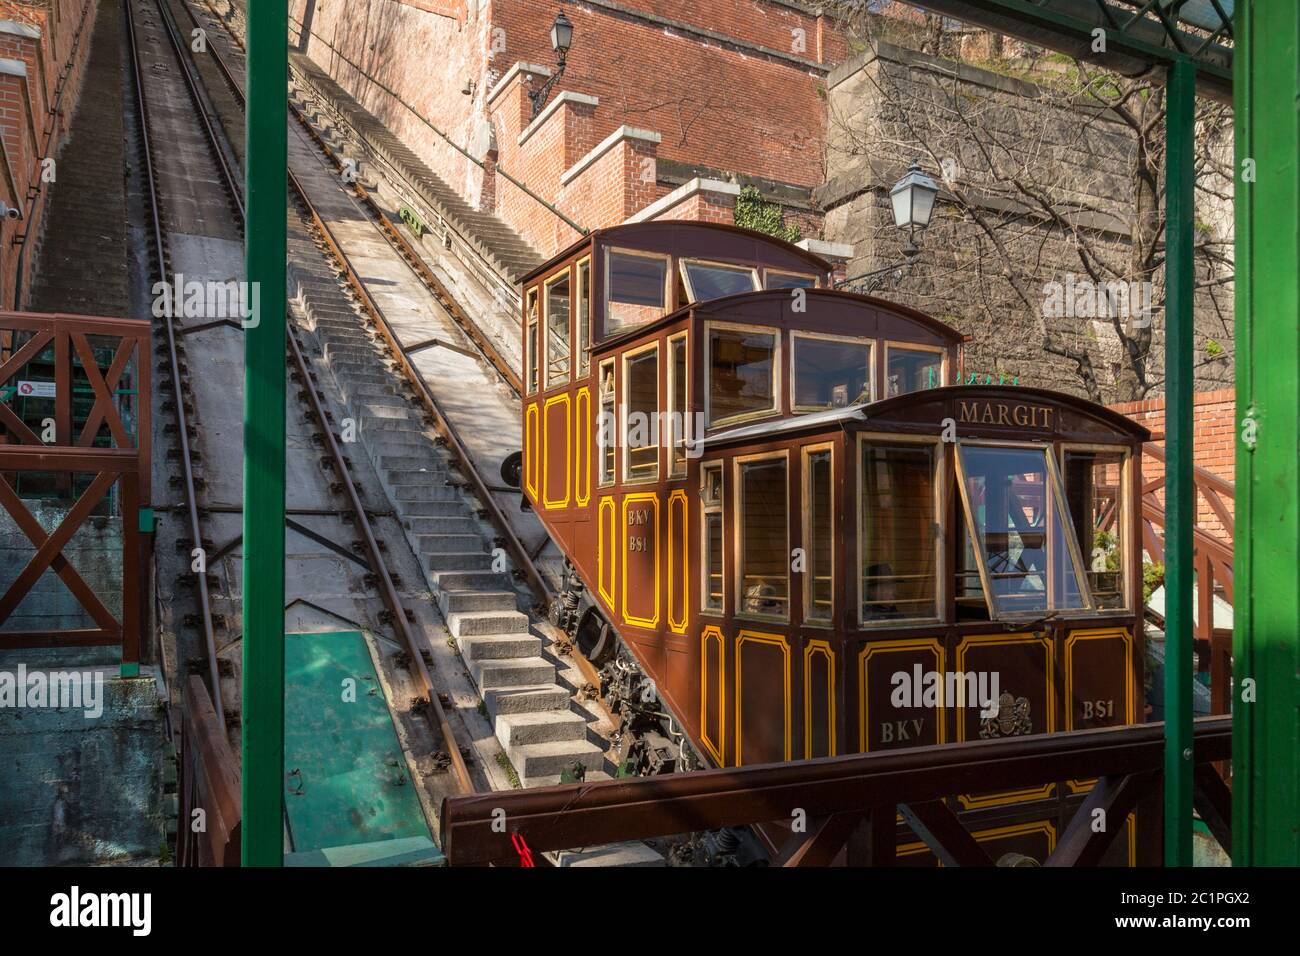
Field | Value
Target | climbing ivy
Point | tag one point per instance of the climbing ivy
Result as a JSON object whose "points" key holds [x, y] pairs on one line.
{"points": [[754, 212]]}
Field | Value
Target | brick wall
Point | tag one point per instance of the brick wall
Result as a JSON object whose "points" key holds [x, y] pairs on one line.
{"points": [[732, 88], [1214, 431], [43, 50]]}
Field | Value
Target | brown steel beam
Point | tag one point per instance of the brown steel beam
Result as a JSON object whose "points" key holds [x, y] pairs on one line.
{"points": [[552, 818], [1084, 843], [938, 827]]}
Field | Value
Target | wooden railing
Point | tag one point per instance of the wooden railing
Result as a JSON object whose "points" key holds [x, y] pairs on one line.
{"points": [[51, 359], [1212, 562], [208, 826], [850, 804]]}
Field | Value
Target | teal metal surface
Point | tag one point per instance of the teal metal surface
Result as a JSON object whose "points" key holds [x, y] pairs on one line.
{"points": [[346, 780], [405, 851], [1180, 491]]}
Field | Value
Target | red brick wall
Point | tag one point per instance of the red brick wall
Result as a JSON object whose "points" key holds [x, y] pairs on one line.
{"points": [[26, 126], [732, 85], [1214, 437]]}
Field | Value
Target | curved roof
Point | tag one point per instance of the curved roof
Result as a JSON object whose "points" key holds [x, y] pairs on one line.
{"points": [[723, 303], [1101, 413], [612, 233]]}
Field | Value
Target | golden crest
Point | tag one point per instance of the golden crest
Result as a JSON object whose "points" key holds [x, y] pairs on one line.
{"points": [[1011, 719]]}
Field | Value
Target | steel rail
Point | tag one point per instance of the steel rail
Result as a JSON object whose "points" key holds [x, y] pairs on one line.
{"points": [[412, 374], [182, 420], [387, 589]]}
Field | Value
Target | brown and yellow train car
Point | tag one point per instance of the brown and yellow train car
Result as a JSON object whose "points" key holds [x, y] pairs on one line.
{"points": [[809, 540]]}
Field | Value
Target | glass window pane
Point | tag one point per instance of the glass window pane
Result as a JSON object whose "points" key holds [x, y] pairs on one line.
{"points": [[911, 370], [584, 317], [714, 281], [530, 341], [641, 408], [742, 378], [678, 412], [788, 280], [636, 290], [1020, 530], [764, 545], [820, 528], [557, 331], [830, 374], [713, 562], [1093, 493], [897, 517], [608, 423]]}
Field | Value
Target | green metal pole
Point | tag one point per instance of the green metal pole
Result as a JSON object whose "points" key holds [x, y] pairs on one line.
{"points": [[1266, 562], [265, 189], [1180, 219]]}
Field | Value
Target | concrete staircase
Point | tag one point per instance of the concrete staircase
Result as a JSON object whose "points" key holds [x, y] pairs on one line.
{"points": [[530, 712]]}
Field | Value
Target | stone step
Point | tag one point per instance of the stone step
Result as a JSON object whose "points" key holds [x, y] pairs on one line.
{"points": [[426, 462], [453, 601], [545, 759], [492, 674], [540, 727], [500, 647], [441, 543], [416, 477], [524, 700], [554, 780], [632, 854], [428, 492], [474, 623], [435, 510], [441, 526], [463, 580], [456, 561]]}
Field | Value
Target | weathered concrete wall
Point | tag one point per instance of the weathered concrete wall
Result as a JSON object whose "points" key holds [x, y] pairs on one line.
{"points": [[82, 790], [1009, 144], [95, 550]]}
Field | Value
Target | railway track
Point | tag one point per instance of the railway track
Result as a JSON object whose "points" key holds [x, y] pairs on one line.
{"points": [[533, 719], [161, 84]]}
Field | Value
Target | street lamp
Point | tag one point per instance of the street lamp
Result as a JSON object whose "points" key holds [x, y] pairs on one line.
{"points": [[911, 200], [561, 40]]}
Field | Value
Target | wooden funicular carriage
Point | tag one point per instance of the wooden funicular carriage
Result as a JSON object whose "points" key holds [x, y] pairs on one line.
{"points": [[806, 538]]}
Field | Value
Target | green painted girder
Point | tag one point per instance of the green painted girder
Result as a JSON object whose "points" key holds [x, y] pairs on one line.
{"points": [[265, 368], [1138, 35], [1266, 564]]}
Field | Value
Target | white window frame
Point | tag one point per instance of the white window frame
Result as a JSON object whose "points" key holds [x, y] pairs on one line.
{"points": [[609, 327], [738, 504], [682, 263], [805, 453], [817, 281], [827, 337], [626, 358], [554, 279], [912, 347], [603, 480], [777, 377], [671, 371], [1126, 549], [707, 509]]}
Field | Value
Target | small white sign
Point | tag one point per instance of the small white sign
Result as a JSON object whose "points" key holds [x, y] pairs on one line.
{"points": [[36, 389]]}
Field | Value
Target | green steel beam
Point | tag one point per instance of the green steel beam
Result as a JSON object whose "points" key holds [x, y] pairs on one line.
{"points": [[1180, 492], [1131, 44], [1266, 565], [265, 190]]}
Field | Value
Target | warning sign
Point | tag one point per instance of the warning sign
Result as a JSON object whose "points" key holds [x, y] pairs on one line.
{"points": [[36, 389]]}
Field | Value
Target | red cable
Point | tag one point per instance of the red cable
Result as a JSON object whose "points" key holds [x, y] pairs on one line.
{"points": [[521, 847]]}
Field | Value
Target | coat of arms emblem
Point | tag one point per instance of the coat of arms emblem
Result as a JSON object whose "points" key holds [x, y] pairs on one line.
{"points": [[1011, 719]]}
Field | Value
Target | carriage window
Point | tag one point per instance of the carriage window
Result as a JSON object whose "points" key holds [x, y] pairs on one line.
{"points": [[788, 280], [608, 425], [818, 530], [557, 330], [678, 413], [1094, 489], [830, 373], [742, 374], [1023, 546], [584, 317], [710, 280], [711, 509], [636, 289], [764, 540], [530, 341], [641, 411], [899, 565], [910, 370]]}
